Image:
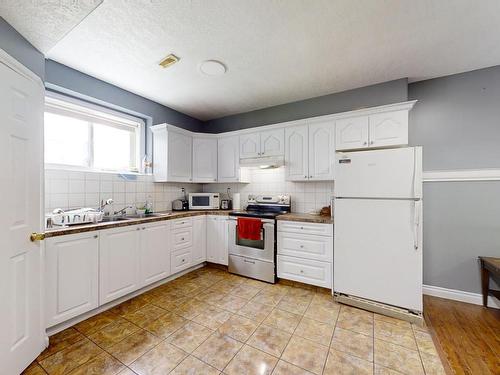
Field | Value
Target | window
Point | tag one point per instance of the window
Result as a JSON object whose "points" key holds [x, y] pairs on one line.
{"points": [[84, 136]]}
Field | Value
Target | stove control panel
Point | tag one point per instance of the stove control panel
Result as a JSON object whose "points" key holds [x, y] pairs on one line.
{"points": [[269, 199]]}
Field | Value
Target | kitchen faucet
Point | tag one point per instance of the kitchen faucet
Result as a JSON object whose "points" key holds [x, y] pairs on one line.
{"points": [[122, 211]]}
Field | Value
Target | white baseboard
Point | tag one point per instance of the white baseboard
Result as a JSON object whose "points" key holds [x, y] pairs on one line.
{"points": [[459, 295]]}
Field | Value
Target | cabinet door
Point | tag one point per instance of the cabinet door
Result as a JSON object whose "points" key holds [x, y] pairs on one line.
{"points": [[160, 156], [180, 148], [272, 142], [204, 159], [351, 133], [250, 145], [296, 153], [119, 262], [212, 239], [154, 252], [71, 276], [228, 165], [389, 129], [223, 247], [321, 150], [199, 239]]}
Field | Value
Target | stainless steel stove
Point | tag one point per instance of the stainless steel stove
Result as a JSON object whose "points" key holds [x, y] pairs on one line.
{"points": [[257, 258]]}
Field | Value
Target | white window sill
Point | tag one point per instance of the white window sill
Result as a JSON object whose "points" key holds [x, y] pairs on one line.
{"points": [[74, 168]]}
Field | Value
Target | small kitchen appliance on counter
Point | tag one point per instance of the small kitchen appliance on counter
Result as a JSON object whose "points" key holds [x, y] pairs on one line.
{"points": [[181, 204], [204, 201], [256, 256], [227, 203]]}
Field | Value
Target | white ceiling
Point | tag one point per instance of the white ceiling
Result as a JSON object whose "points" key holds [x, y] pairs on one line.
{"points": [[276, 51], [45, 22]]}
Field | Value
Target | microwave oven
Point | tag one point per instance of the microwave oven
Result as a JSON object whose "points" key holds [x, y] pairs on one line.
{"points": [[204, 201]]}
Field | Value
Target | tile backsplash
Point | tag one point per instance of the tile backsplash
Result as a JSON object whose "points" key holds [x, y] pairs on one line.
{"points": [[305, 196], [73, 189]]}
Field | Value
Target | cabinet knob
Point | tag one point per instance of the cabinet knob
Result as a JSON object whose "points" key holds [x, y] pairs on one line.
{"points": [[310, 176], [301, 227], [301, 246], [301, 271], [143, 228], [365, 143], [138, 229], [305, 176], [96, 236], [183, 260], [371, 142], [182, 239]]}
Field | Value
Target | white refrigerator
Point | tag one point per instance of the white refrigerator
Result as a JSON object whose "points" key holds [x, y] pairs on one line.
{"points": [[378, 226]]}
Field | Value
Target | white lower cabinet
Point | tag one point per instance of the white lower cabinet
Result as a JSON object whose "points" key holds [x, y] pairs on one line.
{"points": [[305, 252], [181, 243], [71, 276], [217, 239], [154, 252], [119, 262], [199, 239]]}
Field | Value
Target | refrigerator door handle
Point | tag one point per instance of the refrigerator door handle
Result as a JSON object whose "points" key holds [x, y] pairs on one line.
{"points": [[416, 224]]}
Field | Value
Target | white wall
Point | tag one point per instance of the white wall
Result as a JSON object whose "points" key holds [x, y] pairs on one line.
{"points": [[306, 196], [72, 189]]}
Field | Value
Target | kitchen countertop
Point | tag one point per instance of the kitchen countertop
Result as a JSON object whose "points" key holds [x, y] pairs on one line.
{"points": [[164, 215], [171, 215], [307, 218]]}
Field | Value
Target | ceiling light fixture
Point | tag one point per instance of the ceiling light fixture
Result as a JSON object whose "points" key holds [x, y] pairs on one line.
{"points": [[169, 61], [212, 68]]}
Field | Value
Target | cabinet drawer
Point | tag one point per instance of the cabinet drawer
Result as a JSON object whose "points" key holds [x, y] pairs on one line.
{"points": [[182, 238], [305, 271], [305, 246], [181, 259], [182, 223], [306, 228]]}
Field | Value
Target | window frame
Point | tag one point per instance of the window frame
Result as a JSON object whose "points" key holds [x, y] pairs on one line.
{"points": [[63, 105]]}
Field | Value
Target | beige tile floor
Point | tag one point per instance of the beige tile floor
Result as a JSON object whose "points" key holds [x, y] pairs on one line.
{"points": [[212, 322]]}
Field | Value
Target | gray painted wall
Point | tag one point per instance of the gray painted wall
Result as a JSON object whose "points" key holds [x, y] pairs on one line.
{"points": [[369, 96], [15, 45], [457, 120], [461, 222]]}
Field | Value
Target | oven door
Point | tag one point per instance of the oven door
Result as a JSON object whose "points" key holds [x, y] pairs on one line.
{"points": [[259, 249]]}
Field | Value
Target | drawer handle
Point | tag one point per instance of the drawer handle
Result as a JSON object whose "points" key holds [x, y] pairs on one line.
{"points": [[248, 261]]}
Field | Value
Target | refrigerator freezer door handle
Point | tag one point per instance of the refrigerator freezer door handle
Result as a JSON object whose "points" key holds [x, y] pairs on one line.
{"points": [[416, 224]]}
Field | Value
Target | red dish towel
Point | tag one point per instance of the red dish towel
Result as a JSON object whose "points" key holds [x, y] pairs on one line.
{"points": [[249, 229]]}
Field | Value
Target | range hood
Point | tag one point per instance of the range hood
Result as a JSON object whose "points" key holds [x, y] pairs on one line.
{"points": [[265, 162]]}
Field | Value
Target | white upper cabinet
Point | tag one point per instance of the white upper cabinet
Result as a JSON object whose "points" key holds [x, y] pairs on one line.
{"points": [[382, 129], [310, 151], [389, 129], [228, 165], [352, 133], [180, 149], [272, 142], [265, 143], [204, 159], [250, 145], [172, 154], [296, 153], [321, 150]]}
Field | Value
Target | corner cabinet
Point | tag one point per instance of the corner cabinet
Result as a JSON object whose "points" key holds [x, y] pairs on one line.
{"points": [[376, 130], [204, 159], [228, 163], [172, 154], [71, 276], [310, 151]]}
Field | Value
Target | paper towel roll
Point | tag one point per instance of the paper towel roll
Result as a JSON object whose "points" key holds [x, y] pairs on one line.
{"points": [[236, 201]]}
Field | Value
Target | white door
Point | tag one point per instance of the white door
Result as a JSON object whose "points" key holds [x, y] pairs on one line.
{"points": [[377, 251], [119, 262], [71, 276], [296, 153], [250, 145], [228, 164], [180, 148], [272, 142], [199, 239], [22, 335], [392, 173], [389, 129], [321, 151], [154, 252], [204, 159], [351, 133]]}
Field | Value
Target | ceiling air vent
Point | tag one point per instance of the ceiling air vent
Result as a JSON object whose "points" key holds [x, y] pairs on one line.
{"points": [[169, 61]]}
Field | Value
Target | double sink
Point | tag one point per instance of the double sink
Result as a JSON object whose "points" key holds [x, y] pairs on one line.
{"points": [[110, 219]]}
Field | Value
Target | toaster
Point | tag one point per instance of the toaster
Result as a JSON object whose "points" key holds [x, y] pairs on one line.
{"points": [[180, 205]]}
